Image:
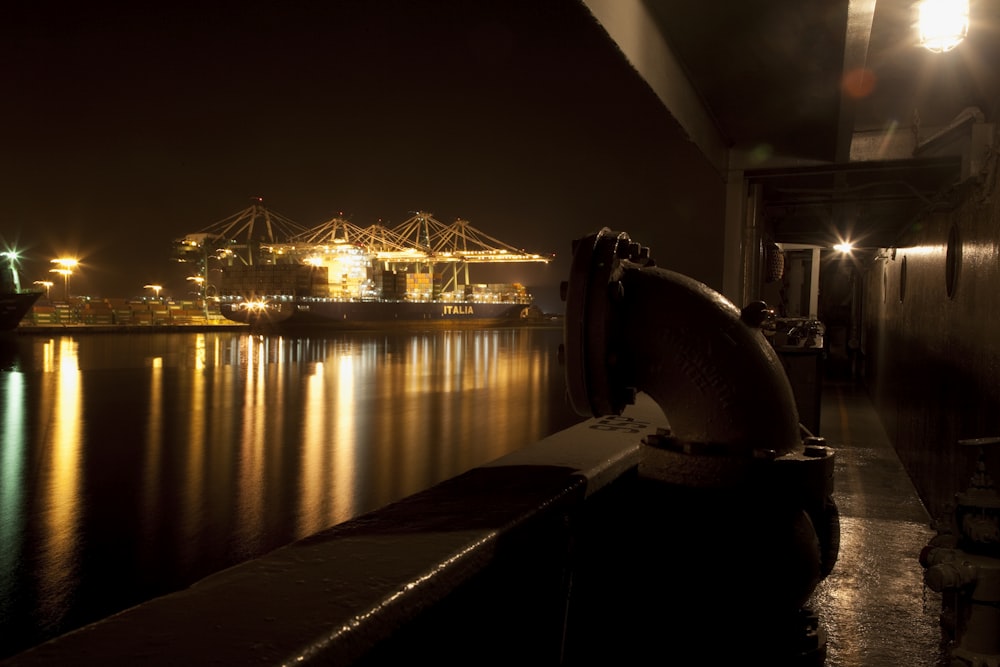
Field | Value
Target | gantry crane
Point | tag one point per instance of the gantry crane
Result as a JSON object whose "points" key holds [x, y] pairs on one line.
{"points": [[420, 243]]}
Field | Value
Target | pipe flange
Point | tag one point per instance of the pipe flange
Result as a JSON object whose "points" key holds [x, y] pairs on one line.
{"points": [[803, 475], [589, 295]]}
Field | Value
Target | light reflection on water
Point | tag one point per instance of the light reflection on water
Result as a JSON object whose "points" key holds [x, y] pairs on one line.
{"points": [[131, 466], [60, 483]]}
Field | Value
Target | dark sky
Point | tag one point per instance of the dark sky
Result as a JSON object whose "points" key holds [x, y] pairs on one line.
{"points": [[127, 125]]}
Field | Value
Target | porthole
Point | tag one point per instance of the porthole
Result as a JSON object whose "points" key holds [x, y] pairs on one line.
{"points": [[902, 279], [952, 262]]}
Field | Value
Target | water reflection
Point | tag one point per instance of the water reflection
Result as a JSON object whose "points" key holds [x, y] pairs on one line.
{"points": [[135, 465], [314, 510], [252, 430], [13, 490], [60, 478], [154, 443]]}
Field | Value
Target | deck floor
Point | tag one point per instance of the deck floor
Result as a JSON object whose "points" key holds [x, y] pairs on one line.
{"points": [[874, 606]]}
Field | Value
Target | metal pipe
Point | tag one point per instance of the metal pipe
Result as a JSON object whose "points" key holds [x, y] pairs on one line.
{"points": [[734, 460], [631, 326]]}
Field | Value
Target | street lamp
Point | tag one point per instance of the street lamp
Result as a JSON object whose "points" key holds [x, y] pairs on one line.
{"points": [[202, 291], [156, 289], [47, 284], [65, 269], [65, 273]]}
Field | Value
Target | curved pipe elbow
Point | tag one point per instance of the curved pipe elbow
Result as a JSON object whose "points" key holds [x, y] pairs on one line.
{"points": [[631, 326]]}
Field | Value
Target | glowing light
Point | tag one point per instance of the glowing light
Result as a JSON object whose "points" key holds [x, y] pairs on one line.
{"points": [[47, 284], [66, 262], [254, 306], [156, 289], [845, 247], [13, 257], [65, 266], [943, 24]]}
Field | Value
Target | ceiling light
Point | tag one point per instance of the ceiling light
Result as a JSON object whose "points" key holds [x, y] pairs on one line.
{"points": [[943, 24]]}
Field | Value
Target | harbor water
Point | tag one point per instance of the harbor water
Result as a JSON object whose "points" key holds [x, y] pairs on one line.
{"points": [[132, 465]]}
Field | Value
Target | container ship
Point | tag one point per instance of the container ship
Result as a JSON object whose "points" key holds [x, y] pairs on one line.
{"points": [[271, 273]]}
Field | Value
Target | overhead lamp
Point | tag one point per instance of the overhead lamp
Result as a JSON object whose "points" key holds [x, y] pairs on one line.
{"points": [[943, 24], [68, 263]]}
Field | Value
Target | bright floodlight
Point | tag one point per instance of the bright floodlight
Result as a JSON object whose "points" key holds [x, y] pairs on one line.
{"points": [[845, 247], [47, 284], [943, 24], [65, 272]]}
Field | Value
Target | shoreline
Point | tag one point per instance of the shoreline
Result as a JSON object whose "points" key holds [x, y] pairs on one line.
{"points": [[42, 329], [198, 327]]}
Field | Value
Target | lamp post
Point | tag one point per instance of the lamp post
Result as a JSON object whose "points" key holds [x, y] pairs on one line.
{"points": [[156, 289], [202, 292], [65, 273], [65, 269], [47, 284], [200, 282]]}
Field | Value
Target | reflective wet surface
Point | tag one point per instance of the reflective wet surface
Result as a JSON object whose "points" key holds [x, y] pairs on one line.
{"points": [[133, 465], [874, 606]]}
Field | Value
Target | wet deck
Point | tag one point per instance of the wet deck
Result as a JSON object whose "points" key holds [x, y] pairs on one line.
{"points": [[874, 606]]}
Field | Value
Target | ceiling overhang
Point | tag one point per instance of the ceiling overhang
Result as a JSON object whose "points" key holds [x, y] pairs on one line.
{"points": [[830, 107]]}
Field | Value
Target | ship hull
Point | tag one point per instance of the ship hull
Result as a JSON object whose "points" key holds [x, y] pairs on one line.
{"points": [[328, 314], [14, 306]]}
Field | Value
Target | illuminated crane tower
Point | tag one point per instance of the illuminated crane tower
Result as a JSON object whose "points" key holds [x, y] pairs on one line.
{"points": [[244, 238], [457, 246], [462, 242], [354, 261], [241, 238]]}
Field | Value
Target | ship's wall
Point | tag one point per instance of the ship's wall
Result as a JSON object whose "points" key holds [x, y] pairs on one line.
{"points": [[932, 359]]}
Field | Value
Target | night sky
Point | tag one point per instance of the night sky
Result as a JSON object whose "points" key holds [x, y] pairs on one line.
{"points": [[126, 126]]}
